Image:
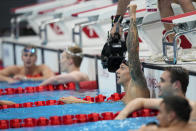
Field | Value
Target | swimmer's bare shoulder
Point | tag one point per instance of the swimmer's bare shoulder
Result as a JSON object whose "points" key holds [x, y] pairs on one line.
{"points": [[193, 113], [11, 70], [44, 70], [148, 128], [135, 92], [156, 128], [191, 126], [85, 77], [42, 66]]}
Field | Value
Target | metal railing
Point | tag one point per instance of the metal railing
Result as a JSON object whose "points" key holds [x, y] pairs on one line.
{"points": [[15, 24], [43, 28], [179, 30], [43, 49]]}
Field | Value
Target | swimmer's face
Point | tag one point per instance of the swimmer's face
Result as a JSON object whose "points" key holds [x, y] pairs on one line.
{"points": [[164, 116], [165, 82], [65, 60], [123, 75], [29, 59]]}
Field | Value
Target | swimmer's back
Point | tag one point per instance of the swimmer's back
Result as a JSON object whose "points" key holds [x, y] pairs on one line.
{"points": [[79, 76]]}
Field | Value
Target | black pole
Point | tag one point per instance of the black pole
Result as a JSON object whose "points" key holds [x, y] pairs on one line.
{"points": [[14, 53], [59, 59], [118, 87], [42, 55], [96, 71]]}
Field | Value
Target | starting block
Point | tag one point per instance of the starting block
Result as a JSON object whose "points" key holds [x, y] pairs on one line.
{"points": [[183, 24]]}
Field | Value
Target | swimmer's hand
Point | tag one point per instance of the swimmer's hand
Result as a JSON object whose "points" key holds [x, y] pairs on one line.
{"points": [[19, 77], [71, 99], [113, 30], [4, 102], [11, 81]]}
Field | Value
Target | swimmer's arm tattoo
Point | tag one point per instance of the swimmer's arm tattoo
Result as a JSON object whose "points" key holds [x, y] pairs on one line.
{"points": [[133, 51]]}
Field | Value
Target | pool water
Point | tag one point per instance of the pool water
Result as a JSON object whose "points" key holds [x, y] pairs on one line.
{"points": [[110, 125], [61, 110], [23, 84], [42, 96]]}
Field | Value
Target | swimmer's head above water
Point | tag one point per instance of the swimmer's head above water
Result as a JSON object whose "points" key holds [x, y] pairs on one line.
{"points": [[176, 78], [123, 74], [29, 56], [173, 109], [30, 49], [71, 56]]}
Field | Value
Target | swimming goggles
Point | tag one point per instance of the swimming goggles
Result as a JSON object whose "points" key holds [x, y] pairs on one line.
{"points": [[125, 62], [73, 54], [31, 50]]}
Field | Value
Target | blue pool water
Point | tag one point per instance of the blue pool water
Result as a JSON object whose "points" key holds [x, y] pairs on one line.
{"points": [[23, 84], [111, 125], [47, 95], [41, 96], [60, 110]]}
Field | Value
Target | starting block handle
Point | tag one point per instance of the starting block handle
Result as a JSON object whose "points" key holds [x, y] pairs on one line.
{"points": [[174, 44], [165, 44]]}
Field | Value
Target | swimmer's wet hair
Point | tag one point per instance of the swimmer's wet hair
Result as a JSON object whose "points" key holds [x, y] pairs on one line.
{"points": [[179, 105], [75, 52], [181, 74], [125, 62]]}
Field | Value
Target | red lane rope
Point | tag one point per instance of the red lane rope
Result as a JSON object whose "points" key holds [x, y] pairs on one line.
{"points": [[96, 99], [70, 119], [68, 86]]}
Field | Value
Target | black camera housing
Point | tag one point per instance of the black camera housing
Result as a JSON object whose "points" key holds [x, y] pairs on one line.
{"points": [[113, 52]]}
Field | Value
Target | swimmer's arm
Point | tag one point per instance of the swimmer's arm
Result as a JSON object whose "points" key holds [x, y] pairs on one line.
{"points": [[71, 99], [5, 102], [122, 7], [137, 76], [7, 72], [60, 79], [79, 76], [136, 104]]}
